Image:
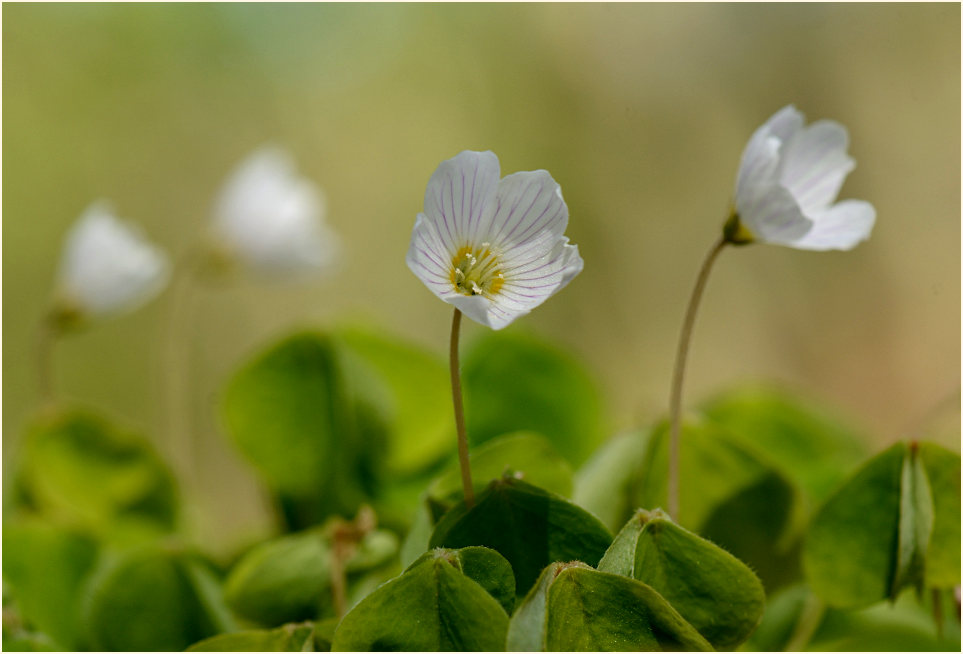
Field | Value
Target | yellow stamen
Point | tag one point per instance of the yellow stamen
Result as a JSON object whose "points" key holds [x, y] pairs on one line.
{"points": [[475, 271]]}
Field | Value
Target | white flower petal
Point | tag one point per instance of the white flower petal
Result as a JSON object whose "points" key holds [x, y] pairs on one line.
{"points": [[529, 208], [273, 219], [460, 197], [108, 266], [814, 164], [840, 227], [761, 157], [773, 215], [428, 257]]}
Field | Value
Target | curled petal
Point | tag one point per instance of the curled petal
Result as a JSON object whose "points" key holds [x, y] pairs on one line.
{"points": [[840, 227], [815, 164]]}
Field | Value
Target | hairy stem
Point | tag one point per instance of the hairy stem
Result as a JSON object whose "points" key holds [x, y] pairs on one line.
{"points": [[460, 411], [675, 396]]}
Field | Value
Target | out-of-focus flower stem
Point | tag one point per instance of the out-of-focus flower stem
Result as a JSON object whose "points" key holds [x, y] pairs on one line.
{"points": [[460, 412], [678, 375]]}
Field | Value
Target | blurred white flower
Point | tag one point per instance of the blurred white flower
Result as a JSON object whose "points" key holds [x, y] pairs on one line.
{"points": [[788, 180], [493, 248], [271, 219], [108, 266]]}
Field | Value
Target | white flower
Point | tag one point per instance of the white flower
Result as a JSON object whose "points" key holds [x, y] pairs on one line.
{"points": [[493, 248], [788, 180], [272, 219], [108, 266]]}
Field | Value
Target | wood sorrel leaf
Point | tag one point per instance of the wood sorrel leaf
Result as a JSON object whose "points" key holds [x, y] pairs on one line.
{"points": [[573, 607], [284, 580], [527, 525], [714, 591], [484, 566], [524, 455], [432, 606], [943, 555], [297, 637], [79, 468], [607, 484], [806, 442], [515, 382], [46, 567], [147, 599], [871, 537], [410, 385], [731, 495]]}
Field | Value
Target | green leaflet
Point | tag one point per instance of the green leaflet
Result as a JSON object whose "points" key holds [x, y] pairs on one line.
{"points": [[607, 484], [484, 566], [886, 526], [527, 525], [573, 607], [288, 638], [432, 606], [79, 468], [46, 567], [515, 382], [714, 591], [150, 599]]}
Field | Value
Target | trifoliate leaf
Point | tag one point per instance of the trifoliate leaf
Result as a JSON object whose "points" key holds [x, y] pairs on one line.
{"points": [[527, 525]]}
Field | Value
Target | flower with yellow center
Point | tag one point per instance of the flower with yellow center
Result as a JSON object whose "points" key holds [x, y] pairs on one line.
{"points": [[494, 248]]}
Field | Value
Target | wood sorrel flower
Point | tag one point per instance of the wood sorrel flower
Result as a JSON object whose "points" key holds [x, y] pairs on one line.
{"points": [[107, 267], [494, 248], [271, 219], [788, 180]]}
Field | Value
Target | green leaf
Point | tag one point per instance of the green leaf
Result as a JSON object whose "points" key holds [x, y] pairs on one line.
{"points": [[410, 385], [80, 469], [608, 483], [514, 382], [527, 525], [731, 495], [46, 567], [284, 580], [714, 591], [806, 442], [486, 567], [523, 455], [145, 599], [288, 638], [285, 411], [850, 550], [943, 555], [432, 606], [779, 621], [915, 523], [575, 608]]}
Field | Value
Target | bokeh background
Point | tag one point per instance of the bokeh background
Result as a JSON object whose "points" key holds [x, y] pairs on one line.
{"points": [[639, 111]]}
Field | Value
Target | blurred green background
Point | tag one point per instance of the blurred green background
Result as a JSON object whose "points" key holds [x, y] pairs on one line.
{"points": [[640, 112]]}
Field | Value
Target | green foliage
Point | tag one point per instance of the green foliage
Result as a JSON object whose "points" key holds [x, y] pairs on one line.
{"points": [[573, 607], [288, 638], [806, 442], [150, 599], [887, 513], [607, 484], [514, 382], [46, 567], [732, 496], [410, 387], [715, 592], [527, 525], [77, 468], [289, 579], [432, 606]]}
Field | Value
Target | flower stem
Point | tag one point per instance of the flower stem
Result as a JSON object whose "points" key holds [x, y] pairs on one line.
{"points": [[47, 333], [177, 375], [460, 412], [675, 397]]}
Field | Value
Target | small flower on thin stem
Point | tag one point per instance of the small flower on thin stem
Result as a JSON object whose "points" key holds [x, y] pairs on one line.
{"points": [[788, 181], [271, 219], [787, 184], [108, 267], [494, 248]]}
